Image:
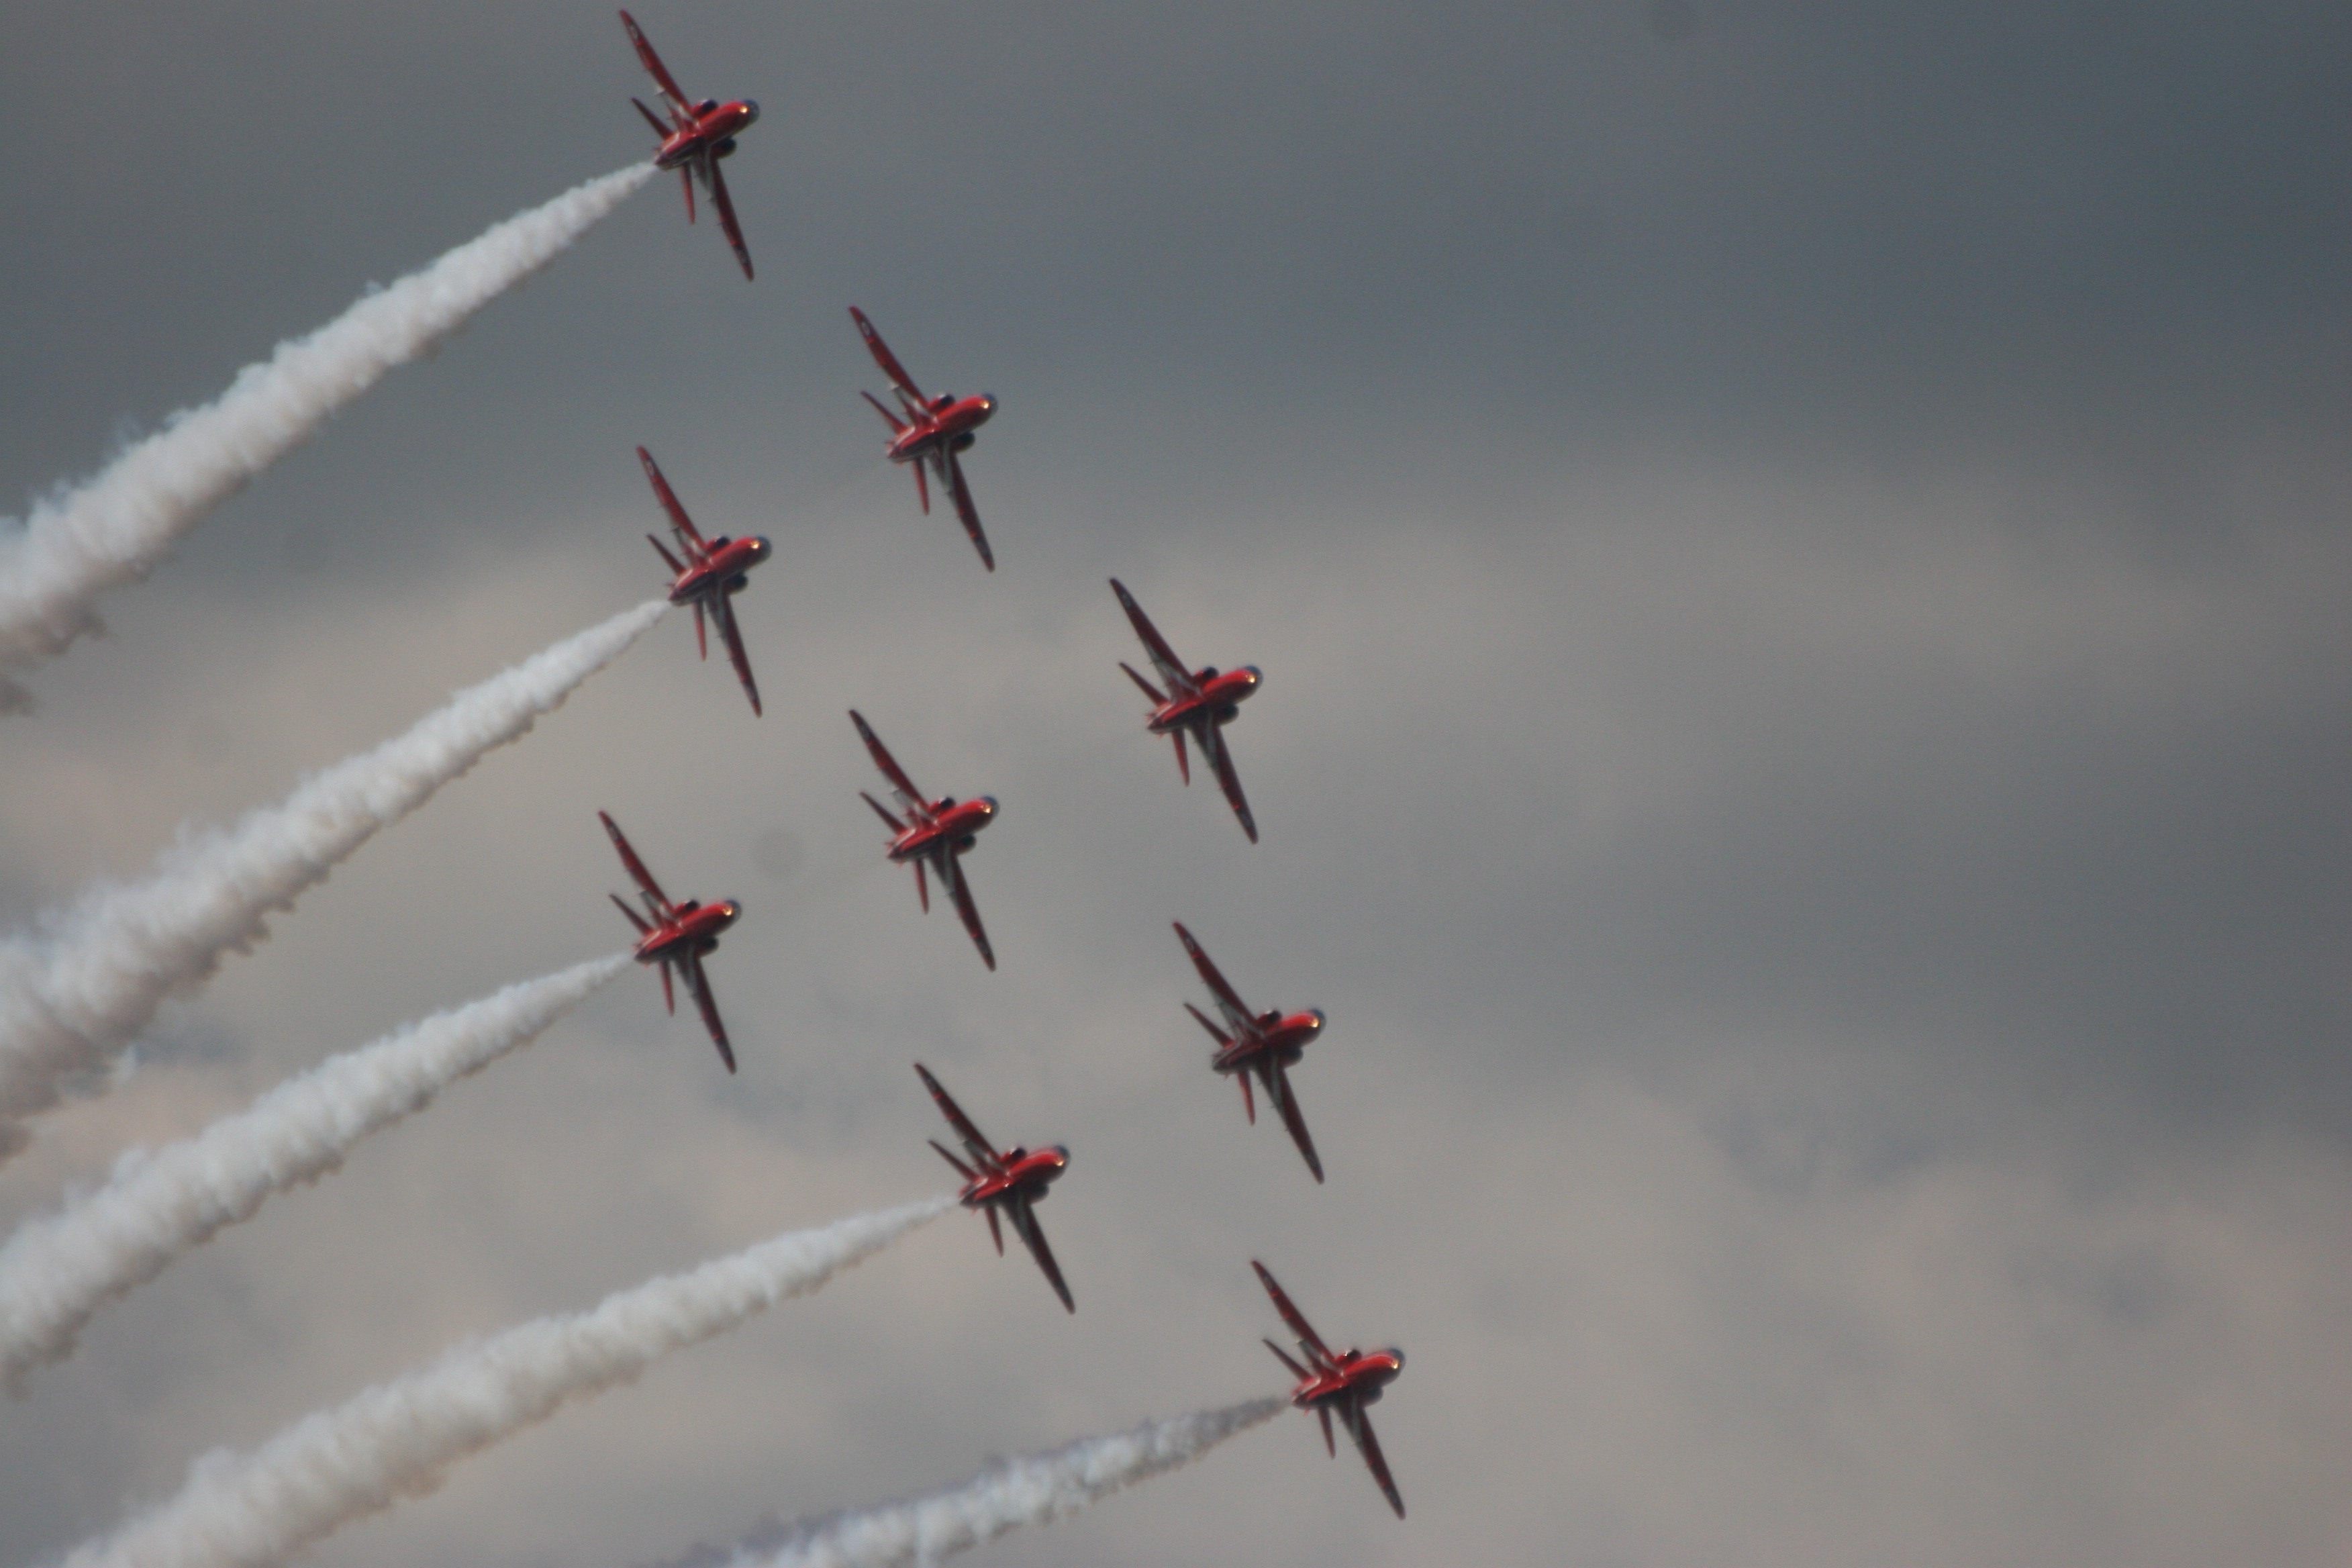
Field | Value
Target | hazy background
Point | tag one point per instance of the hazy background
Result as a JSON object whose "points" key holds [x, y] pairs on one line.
{"points": [[1799, 555]]}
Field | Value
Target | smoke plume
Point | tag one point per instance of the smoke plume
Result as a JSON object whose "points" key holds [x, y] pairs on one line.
{"points": [[1036, 1489], [56, 1272], [79, 988], [112, 529], [400, 1439]]}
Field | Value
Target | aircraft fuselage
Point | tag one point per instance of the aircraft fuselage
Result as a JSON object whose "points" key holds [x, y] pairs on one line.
{"points": [[728, 558], [1283, 1040], [949, 425], [1026, 1175], [695, 930], [950, 824], [711, 127], [1218, 696], [1358, 1376]]}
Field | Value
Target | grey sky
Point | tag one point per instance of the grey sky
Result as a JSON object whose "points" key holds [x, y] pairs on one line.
{"points": [[1800, 570]]}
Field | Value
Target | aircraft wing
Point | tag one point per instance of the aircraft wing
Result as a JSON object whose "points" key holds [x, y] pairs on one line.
{"points": [[637, 867], [1353, 1416], [722, 604], [1237, 1015], [973, 1138], [886, 359], [951, 873], [700, 985], [680, 524], [1278, 1089], [887, 763], [1172, 673], [968, 511], [726, 205], [1212, 740], [676, 100], [1024, 1222], [1292, 1316]]}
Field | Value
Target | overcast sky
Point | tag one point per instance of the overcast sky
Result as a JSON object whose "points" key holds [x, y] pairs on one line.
{"points": [[1799, 554]]}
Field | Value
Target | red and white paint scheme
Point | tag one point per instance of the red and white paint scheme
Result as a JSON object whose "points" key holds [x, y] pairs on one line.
{"points": [[1199, 703], [936, 833], [696, 137], [934, 432], [1341, 1385], [709, 577], [679, 937], [1268, 1044], [1013, 1180]]}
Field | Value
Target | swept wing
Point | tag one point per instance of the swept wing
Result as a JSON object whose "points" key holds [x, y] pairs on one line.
{"points": [[1172, 673]]}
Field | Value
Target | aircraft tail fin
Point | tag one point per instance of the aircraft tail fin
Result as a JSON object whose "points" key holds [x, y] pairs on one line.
{"points": [[882, 812], [1284, 1357], [964, 1170], [1214, 1033], [1148, 690], [630, 915], [896, 425], [651, 119], [672, 562]]}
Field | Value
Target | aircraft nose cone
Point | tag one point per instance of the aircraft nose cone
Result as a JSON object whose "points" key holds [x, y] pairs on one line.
{"points": [[760, 546], [1061, 1157], [988, 801], [751, 112], [1317, 1014], [1397, 1356], [1253, 673]]}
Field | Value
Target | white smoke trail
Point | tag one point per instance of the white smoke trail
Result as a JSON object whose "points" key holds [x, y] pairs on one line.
{"points": [[399, 1439], [1036, 1489], [56, 1272], [112, 529], [79, 988]]}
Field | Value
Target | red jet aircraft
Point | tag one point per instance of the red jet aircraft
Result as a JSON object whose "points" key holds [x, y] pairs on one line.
{"points": [[1200, 703], [696, 137], [709, 577], [678, 937], [1013, 1180], [1343, 1384], [936, 832], [934, 431], [1268, 1044]]}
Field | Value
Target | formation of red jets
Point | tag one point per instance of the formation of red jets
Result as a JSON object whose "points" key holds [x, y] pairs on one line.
{"points": [[930, 435]]}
